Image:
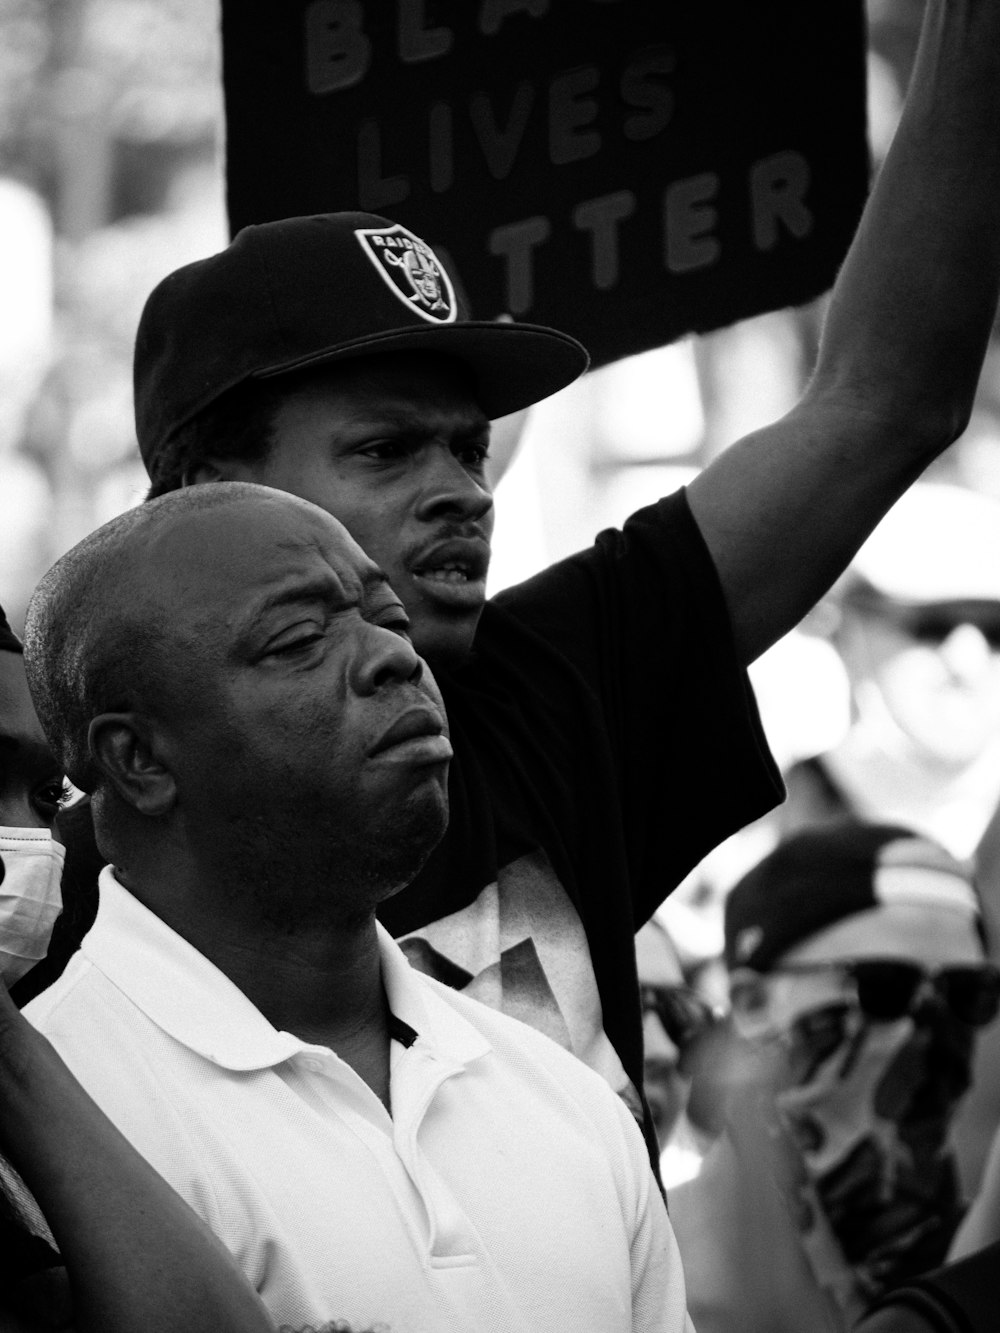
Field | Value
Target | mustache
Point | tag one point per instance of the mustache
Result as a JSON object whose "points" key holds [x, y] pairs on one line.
{"points": [[451, 529]]}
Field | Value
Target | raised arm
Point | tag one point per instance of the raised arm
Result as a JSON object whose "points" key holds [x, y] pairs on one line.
{"points": [[137, 1258], [784, 509]]}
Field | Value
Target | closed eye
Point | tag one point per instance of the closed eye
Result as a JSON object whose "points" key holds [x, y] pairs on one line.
{"points": [[299, 643], [397, 621]]}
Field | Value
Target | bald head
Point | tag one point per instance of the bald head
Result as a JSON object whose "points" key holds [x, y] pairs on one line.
{"points": [[102, 629]]}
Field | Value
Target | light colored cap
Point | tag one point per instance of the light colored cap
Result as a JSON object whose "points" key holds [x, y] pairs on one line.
{"points": [[938, 543]]}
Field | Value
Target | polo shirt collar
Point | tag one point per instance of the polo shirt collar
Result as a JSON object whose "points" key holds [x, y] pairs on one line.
{"points": [[190, 999], [426, 1008]]}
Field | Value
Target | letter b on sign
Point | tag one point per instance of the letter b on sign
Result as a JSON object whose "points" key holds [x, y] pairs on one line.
{"points": [[337, 51]]}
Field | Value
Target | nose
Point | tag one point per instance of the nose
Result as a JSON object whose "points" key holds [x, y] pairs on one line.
{"points": [[658, 1048], [966, 652], [384, 658], [450, 490], [928, 1004]]}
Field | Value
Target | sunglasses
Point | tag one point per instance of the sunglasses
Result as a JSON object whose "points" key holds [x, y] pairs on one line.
{"points": [[684, 1014], [890, 988], [934, 622]]}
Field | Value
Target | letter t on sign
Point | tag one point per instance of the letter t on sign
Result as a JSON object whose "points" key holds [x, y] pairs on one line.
{"points": [[601, 217], [515, 243]]}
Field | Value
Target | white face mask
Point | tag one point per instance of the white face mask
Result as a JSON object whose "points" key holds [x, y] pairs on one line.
{"points": [[30, 897]]}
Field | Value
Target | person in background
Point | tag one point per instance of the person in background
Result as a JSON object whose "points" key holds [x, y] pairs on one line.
{"points": [[675, 1022], [267, 762], [32, 790], [605, 732], [51, 894], [90, 1236], [916, 623], [859, 981]]}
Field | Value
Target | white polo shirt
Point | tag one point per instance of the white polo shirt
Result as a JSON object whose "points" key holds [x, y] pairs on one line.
{"points": [[509, 1190]]}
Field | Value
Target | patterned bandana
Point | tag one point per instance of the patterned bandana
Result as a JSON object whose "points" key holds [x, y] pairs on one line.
{"points": [[865, 1113]]}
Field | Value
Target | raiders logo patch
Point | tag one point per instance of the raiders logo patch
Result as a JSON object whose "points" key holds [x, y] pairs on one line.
{"points": [[411, 270]]}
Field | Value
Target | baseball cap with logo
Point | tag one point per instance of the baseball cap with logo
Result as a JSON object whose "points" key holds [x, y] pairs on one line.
{"points": [[817, 877], [307, 291]]}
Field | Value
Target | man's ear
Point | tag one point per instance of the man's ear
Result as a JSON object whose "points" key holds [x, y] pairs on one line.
{"points": [[749, 1001], [221, 469], [124, 747], [206, 471]]}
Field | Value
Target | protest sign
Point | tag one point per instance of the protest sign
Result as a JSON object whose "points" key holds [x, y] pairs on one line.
{"points": [[625, 170]]}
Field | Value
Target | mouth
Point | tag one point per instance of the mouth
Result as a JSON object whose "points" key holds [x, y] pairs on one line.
{"points": [[417, 735], [453, 572]]}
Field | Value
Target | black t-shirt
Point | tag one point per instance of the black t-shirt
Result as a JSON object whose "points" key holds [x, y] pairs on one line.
{"points": [[960, 1297], [605, 740]]}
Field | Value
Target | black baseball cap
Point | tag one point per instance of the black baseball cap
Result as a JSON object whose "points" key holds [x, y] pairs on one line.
{"points": [[307, 291], [818, 876]]}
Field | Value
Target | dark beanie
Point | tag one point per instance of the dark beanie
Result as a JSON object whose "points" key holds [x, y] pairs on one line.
{"points": [[9, 642], [819, 876]]}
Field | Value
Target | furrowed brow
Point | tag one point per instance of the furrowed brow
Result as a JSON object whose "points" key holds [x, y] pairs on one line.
{"points": [[329, 593]]}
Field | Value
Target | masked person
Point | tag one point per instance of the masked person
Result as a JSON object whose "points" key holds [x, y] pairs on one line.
{"points": [[676, 1022], [604, 730], [31, 792], [90, 1236], [858, 982], [916, 624]]}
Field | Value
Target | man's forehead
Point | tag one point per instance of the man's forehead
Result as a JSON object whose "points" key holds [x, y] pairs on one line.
{"points": [[213, 571], [250, 537]]}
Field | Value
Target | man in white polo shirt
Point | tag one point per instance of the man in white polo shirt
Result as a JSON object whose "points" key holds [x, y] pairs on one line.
{"points": [[231, 678]]}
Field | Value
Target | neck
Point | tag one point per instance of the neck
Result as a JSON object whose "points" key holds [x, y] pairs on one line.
{"points": [[319, 980]]}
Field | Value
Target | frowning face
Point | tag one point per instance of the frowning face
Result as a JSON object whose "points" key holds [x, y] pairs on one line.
{"points": [[301, 726]]}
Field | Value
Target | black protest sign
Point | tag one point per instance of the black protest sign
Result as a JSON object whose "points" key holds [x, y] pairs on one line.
{"points": [[625, 170]]}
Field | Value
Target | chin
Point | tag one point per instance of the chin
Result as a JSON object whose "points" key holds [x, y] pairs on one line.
{"points": [[417, 827]]}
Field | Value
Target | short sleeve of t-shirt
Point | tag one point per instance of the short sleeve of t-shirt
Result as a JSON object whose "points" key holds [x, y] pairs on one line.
{"points": [[642, 617]]}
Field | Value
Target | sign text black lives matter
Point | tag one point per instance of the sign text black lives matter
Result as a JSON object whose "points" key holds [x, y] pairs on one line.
{"points": [[625, 170]]}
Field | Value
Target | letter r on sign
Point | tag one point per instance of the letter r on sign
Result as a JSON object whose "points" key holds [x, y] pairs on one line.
{"points": [[777, 186]]}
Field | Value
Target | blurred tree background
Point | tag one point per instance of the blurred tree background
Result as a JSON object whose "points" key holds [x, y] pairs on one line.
{"points": [[111, 175]]}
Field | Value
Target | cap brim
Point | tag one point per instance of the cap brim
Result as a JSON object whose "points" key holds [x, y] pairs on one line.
{"points": [[515, 365]]}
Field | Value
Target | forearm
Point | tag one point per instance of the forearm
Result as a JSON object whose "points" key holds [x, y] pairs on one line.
{"points": [[137, 1256], [784, 510], [912, 308]]}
